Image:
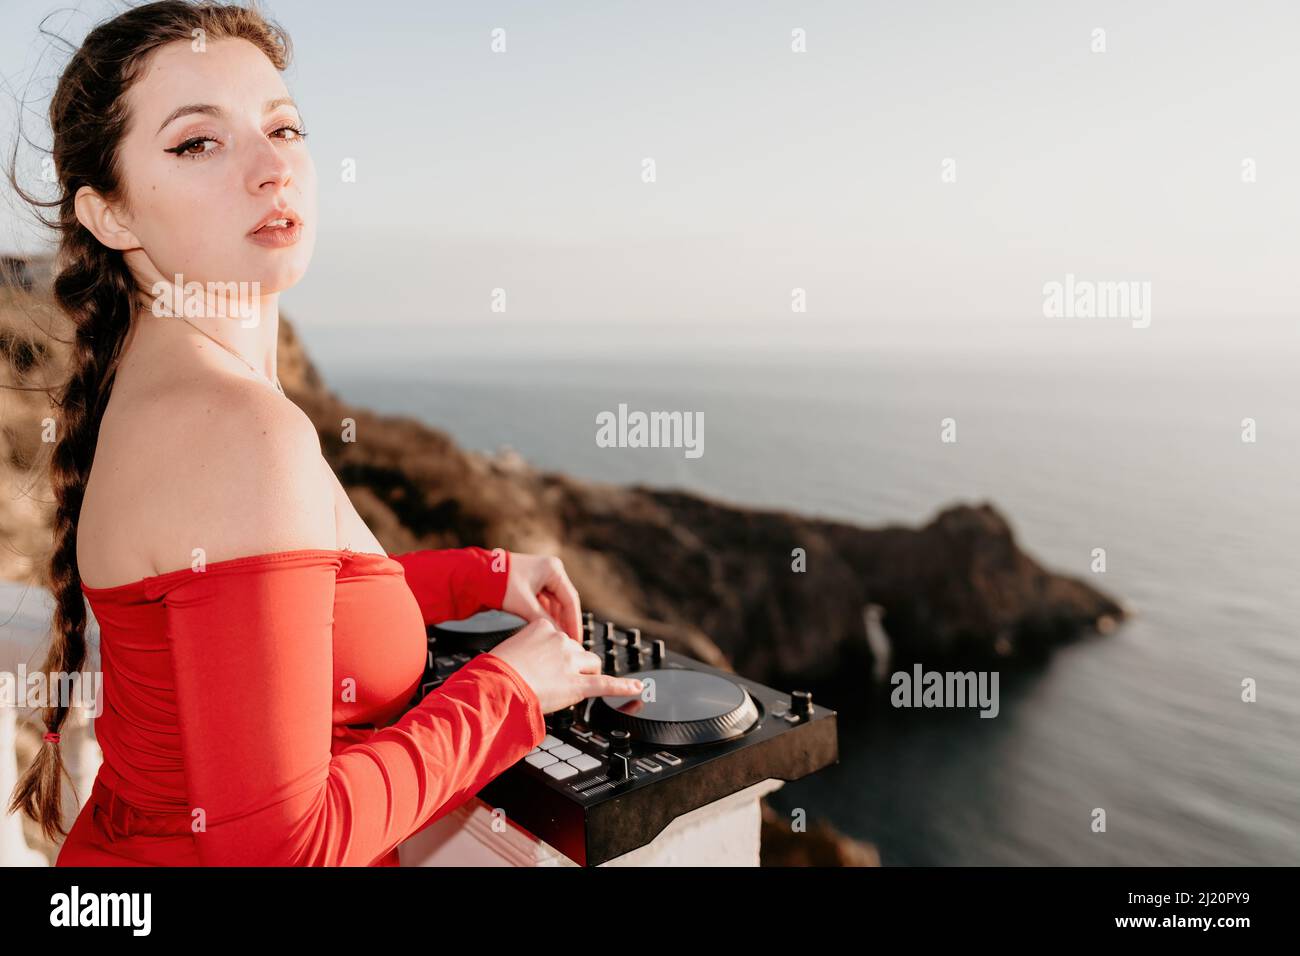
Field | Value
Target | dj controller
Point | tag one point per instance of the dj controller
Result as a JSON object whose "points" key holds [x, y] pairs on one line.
{"points": [[613, 772]]}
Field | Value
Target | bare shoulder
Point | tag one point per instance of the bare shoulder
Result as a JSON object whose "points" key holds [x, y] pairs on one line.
{"points": [[226, 466]]}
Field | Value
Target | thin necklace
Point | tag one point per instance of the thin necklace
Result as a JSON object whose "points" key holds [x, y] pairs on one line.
{"points": [[255, 369]]}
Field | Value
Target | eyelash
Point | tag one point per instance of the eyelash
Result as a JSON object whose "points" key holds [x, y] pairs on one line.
{"points": [[180, 149]]}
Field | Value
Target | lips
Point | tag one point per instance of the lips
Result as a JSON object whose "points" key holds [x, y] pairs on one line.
{"points": [[285, 218]]}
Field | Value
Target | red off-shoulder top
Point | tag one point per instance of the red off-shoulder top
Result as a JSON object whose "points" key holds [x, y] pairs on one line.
{"points": [[255, 712]]}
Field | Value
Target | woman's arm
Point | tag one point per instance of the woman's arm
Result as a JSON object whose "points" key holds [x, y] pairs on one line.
{"points": [[251, 646], [454, 583]]}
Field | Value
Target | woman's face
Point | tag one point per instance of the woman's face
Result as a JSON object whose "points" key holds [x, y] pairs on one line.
{"points": [[198, 183]]}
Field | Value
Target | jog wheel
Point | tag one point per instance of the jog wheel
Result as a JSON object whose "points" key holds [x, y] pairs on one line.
{"points": [[689, 707], [481, 632]]}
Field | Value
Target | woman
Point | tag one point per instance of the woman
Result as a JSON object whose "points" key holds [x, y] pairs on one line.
{"points": [[260, 651]]}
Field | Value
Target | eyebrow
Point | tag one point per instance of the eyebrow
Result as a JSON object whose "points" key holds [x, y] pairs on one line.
{"points": [[209, 110]]}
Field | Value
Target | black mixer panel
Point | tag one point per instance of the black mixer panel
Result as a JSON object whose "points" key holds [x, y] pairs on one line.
{"points": [[612, 772]]}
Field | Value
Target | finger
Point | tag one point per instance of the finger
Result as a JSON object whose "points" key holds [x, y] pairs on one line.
{"points": [[607, 685], [533, 611], [589, 663], [570, 614], [552, 607]]}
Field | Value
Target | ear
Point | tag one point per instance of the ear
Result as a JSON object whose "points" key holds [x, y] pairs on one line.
{"points": [[103, 221]]}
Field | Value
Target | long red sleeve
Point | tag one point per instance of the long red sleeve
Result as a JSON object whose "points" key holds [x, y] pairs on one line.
{"points": [[451, 584], [251, 648]]}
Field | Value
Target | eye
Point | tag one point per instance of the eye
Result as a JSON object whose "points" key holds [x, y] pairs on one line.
{"points": [[187, 148], [297, 132]]}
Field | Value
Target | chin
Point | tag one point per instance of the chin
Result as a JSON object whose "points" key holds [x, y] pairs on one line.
{"points": [[281, 269], [281, 279]]}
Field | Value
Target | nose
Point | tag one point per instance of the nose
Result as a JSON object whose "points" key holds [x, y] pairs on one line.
{"points": [[269, 166]]}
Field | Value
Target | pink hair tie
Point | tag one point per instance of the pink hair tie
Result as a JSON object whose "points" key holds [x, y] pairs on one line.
{"points": [[52, 737]]}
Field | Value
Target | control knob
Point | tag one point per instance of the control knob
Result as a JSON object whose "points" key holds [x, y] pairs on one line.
{"points": [[801, 703]]}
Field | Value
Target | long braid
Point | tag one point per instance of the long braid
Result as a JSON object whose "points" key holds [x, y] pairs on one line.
{"points": [[94, 289]]}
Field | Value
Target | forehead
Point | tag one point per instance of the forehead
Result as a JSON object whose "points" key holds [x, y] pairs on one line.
{"points": [[230, 73]]}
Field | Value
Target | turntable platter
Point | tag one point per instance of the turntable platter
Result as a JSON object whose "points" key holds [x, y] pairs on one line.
{"points": [[687, 707], [481, 631]]}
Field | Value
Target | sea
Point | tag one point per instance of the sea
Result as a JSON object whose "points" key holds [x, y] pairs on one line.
{"points": [[1173, 741]]}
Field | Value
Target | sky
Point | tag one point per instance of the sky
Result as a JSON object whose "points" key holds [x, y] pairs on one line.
{"points": [[821, 170]]}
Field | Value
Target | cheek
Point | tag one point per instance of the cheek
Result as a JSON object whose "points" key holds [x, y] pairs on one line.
{"points": [[186, 223], [306, 174]]}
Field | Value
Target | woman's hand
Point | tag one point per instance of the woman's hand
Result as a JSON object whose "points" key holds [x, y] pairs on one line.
{"points": [[558, 670], [539, 590]]}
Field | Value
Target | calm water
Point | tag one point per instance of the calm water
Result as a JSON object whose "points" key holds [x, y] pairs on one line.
{"points": [[1142, 457]]}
